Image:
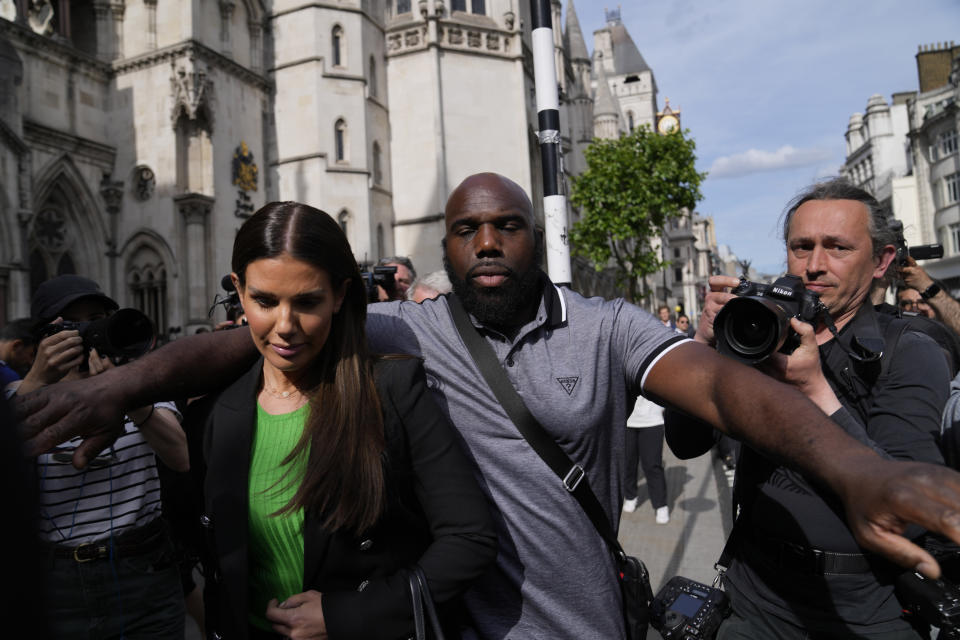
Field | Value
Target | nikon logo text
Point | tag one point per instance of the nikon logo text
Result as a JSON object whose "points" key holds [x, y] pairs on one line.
{"points": [[778, 291]]}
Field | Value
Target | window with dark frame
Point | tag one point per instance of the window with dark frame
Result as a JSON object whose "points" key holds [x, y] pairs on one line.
{"points": [[340, 134]]}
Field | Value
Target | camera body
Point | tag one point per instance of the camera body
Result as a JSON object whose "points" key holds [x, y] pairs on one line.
{"points": [[122, 336], [380, 276], [687, 610], [936, 602], [917, 252], [757, 323]]}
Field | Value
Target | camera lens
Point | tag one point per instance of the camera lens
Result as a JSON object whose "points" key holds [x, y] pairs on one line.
{"points": [[130, 333], [750, 329]]}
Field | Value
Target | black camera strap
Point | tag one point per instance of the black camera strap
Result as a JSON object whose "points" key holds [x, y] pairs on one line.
{"points": [[572, 475]]}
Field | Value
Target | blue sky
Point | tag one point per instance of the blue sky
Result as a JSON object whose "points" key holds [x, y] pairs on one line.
{"points": [[767, 89]]}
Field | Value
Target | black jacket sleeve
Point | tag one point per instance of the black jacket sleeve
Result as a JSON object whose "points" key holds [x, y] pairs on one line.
{"points": [[463, 539]]}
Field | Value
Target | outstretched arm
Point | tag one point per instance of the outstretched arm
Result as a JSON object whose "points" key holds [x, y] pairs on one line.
{"points": [[881, 497], [190, 366]]}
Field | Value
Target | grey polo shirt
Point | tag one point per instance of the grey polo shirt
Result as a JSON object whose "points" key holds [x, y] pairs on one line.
{"points": [[578, 366]]}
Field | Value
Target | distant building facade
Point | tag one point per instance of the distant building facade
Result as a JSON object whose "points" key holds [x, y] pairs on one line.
{"points": [[136, 135], [906, 154]]}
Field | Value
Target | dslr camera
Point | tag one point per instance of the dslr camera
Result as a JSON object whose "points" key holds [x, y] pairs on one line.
{"points": [[752, 326], [122, 336], [917, 252], [688, 610], [380, 276], [936, 602]]}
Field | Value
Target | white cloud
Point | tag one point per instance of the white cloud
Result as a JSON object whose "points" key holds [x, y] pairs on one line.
{"points": [[758, 160]]}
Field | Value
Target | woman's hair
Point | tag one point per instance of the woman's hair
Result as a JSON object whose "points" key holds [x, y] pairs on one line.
{"points": [[343, 478]]}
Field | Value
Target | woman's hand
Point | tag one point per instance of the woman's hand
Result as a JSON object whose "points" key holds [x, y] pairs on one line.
{"points": [[299, 617]]}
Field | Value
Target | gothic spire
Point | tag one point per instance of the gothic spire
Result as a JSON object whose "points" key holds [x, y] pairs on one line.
{"points": [[573, 40]]}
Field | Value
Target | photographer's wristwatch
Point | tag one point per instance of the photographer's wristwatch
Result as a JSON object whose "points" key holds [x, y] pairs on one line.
{"points": [[930, 291]]}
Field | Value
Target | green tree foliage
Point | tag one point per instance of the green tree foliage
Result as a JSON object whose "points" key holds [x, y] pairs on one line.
{"points": [[632, 187]]}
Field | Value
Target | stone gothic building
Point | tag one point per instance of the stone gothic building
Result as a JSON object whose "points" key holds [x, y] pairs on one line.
{"points": [[137, 135]]}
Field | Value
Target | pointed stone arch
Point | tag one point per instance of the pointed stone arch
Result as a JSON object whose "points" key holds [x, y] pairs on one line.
{"points": [[67, 232], [149, 269]]}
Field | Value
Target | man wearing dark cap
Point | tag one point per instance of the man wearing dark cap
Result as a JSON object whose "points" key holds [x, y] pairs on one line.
{"points": [[110, 567]]}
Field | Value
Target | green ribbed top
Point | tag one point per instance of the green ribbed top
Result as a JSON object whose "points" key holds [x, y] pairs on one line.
{"points": [[276, 542]]}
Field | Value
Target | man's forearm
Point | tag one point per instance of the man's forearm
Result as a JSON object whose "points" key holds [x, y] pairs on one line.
{"points": [[92, 407], [191, 366], [770, 416], [948, 310]]}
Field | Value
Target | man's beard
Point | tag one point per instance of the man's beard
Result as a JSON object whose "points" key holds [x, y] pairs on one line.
{"points": [[500, 306]]}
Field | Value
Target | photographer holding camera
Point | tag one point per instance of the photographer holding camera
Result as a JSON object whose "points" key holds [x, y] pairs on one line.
{"points": [[110, 570], [947, 309], [796, 570]]}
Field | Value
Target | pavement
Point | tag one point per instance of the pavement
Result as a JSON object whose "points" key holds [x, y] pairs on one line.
{"points": [[698, 494]]}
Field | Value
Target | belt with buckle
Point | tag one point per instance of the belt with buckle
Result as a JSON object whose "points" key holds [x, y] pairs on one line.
{"points": [[128, 543], [797, 557]]}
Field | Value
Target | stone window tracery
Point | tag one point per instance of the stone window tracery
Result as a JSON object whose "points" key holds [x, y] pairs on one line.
{"points": [[147, 285]]}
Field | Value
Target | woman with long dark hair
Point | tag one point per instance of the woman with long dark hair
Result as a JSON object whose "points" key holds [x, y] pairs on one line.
{"points": [[328, 472]]}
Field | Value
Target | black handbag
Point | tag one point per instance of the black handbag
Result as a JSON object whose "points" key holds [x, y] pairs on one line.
{"points": [[423, 607], [632, 573]]}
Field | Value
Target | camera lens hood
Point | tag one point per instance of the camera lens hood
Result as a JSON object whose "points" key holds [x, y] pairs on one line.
{"points": [[750, 328]]}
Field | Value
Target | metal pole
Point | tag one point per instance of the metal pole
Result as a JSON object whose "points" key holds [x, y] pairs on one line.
{"points": [[548, 116]]}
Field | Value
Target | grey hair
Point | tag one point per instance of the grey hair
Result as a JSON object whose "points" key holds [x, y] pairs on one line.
{"points": [[881, 234], [436, 280], [404, 260]]}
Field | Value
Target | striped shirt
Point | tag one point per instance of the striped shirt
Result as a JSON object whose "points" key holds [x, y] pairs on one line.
{"points": [[120, 490]]}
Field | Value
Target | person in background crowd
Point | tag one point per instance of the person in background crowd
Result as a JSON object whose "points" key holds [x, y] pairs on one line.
{"points": [[327, 473], [663, 312], [111, 570], [683, 326], [402, 280], [911, 300], [644, 445], [796, 570], [946, 308], [578, 364], [429, 286], [17, 350]]}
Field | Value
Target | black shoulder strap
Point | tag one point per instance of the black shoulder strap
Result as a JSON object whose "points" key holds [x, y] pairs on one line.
{"points": [[891, 338], [572, 476]]}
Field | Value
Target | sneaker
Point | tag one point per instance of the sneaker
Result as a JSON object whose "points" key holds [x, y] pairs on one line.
{"points": [[630, 505], [663, 515]]}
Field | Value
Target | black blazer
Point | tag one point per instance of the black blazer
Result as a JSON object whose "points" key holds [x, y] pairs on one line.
{"points": [[436, 514]]}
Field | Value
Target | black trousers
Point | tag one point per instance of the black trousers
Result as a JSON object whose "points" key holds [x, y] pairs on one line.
{"points": [[645, 446]]}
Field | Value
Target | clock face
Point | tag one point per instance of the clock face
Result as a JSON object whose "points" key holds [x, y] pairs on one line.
{"points": [[667, 123]]}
